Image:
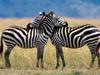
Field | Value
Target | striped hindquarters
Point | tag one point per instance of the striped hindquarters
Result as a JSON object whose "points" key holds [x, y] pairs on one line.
{"points": [[20, 37], [75, 37], [82, 35]]}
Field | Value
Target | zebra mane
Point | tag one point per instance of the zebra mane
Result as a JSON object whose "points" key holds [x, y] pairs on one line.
{"points": [[64, 25]]}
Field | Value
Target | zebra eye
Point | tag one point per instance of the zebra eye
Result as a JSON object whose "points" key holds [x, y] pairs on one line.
{"points": [[58, 21]]}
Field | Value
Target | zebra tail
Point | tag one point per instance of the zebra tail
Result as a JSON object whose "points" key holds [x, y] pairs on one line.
{"points": [[1, 45]]}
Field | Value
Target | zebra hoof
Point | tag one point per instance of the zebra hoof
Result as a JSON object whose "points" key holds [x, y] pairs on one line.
{"points": [[42, 66], [8, 66], [37, 65], [64, 65], [57, 67]]}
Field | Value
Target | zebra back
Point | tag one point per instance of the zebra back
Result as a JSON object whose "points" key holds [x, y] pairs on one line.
{"points": [[20, 36], [75, 37]]}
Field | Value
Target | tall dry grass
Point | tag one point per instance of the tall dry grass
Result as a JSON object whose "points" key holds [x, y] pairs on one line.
{"points": [[75, 22], [24, 60]]}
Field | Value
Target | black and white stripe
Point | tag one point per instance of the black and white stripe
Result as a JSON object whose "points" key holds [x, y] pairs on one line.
{"points": [[76, 37], [21, 37], [37, 36]]}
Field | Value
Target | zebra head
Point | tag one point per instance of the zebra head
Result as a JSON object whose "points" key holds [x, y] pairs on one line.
{"points": [[46, 22], [37, 20], [59, 22], [43, 21]]}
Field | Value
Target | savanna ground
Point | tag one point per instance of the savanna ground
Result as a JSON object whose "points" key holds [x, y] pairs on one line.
{"points": [[24, 60]]}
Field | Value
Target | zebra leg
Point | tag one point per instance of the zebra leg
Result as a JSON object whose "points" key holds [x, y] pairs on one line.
{"points": [[93, 54], [40, 51], [57, 56], [98, 54], [62, 56], [92, 61], [7, 53], [38, 57]]}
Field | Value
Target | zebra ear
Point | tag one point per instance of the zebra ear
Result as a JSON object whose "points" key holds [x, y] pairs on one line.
{"points": [[52, 12], [66, 23], [43, 13]]}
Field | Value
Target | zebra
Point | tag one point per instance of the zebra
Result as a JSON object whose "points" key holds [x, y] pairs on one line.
{"points": [[76, 37], [29, 38]]}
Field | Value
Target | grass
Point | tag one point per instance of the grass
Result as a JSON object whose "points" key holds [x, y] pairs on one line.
{"points": [[49, 72], [24, 60]]}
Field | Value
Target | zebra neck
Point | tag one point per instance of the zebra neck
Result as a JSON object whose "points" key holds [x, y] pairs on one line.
{"points": [[47, 30]]}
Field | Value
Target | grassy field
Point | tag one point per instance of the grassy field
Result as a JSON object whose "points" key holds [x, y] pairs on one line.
{"points": [[24, 60]]}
